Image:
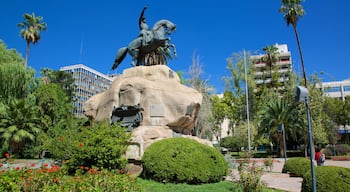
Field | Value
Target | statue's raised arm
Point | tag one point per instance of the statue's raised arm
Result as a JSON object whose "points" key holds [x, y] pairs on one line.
{"points": [[142, 19]]}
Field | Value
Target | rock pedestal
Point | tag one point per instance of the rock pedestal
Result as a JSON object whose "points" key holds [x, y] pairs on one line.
{"points": [[168, 108]]}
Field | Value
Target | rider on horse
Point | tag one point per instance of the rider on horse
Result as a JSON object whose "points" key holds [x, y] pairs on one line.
{"points": [[145, 33]]}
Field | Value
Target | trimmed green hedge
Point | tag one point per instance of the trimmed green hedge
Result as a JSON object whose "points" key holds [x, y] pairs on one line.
{"points": [[182, 160], [297, 166], [328, 179]]}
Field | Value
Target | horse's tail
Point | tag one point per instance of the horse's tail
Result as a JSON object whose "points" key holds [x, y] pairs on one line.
{"points": [[120, 57]]}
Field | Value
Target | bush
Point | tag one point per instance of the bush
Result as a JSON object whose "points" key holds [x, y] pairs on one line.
{"points": [[250, 176], [55, 179], [328, 179], [297, 166], [182, 160], [101, 145], [340, 150]]}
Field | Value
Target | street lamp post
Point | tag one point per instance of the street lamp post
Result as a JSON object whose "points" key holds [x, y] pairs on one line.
{"points": [[302, 96], [246, 97]]}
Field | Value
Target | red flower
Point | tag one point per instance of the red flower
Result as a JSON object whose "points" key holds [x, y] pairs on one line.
{"points": [[81, 167], [18, 168], [7, 155], [0, 165], [55, 180], [32, 165], [45, 165], [92, 171], [81, 144]]}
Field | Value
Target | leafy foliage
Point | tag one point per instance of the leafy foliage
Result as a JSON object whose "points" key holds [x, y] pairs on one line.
{"points": [[15, 80], [181, 160], [328, 179], [55, 179], [31, 28], [250, 177], [54, 104], [9, 56], [100, 145], [62, 78], [297, 166], [19, 123]]}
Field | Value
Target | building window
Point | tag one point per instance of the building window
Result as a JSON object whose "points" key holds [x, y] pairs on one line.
{"points": [[331, 89], [346, 88]]}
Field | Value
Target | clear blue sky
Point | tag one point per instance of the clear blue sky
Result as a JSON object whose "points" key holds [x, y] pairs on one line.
{"points": [[91, 32]]}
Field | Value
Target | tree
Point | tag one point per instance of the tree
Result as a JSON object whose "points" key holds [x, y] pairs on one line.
{"points": [[292, 11], [9, 56], [18, 123], [206, 123], [271, 59], [62, 78], [15, 79], [54, 104], [280, 111], [30, 32]]}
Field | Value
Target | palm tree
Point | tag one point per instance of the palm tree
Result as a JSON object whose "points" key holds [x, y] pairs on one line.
{"points": [[31, 28], [277, 112], [19, 123], [270, 58], [292, 11]]}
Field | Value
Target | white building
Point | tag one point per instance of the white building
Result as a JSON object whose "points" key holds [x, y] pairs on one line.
{"points": [[283, 66], [336, 89], [88, 82]]}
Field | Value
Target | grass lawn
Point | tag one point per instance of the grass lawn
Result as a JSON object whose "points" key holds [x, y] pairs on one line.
{"points": [[223, 186], [152, 186]]}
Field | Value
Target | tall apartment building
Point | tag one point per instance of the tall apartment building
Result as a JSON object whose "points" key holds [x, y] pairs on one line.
{"points": [[283, 66], [336, 89], [88, 82]]}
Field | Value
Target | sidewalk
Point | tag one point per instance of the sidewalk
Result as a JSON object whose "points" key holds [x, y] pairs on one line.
{"points": [[278, 180]]}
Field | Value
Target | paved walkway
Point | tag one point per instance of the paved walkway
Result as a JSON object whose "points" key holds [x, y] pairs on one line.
{"points": [[278, 180]]}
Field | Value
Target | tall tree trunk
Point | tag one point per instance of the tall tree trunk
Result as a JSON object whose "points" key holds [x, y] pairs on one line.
{"points": [[300, 52], [305, 81], [27, 53]]}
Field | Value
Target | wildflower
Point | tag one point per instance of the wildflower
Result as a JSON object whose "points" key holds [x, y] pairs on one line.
{"points": [[92, 171], [27, 184], [55, 180], [81, 167], [81, 144], [32, 165], [45, 165], [18, 168], [7, 155], [1, 165]]}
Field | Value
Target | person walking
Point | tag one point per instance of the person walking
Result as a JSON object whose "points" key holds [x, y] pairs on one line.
{"points": [[319, 157]]}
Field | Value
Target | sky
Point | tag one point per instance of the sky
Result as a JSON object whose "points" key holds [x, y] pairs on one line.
{"points": [[91, 32]]}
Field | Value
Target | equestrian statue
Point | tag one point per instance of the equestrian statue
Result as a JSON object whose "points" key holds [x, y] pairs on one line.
{"points": [[151, 47]]}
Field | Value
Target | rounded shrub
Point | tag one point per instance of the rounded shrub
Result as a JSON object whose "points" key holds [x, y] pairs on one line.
{"points": [[182, 160], [297, 166], [328, 179]]}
